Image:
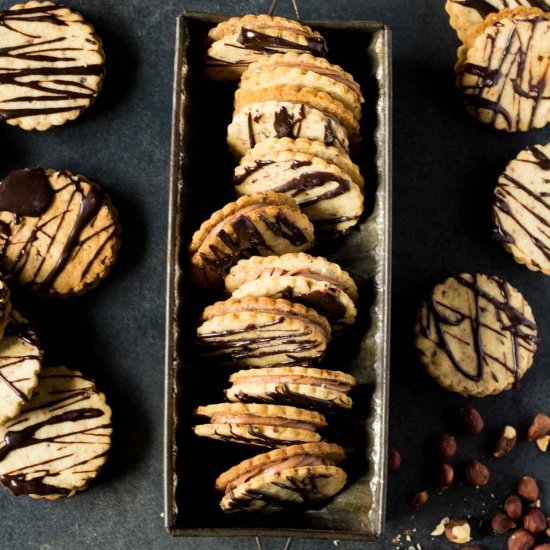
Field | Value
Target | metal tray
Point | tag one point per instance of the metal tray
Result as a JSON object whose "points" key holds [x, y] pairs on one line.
{"points": [[201, 170]]}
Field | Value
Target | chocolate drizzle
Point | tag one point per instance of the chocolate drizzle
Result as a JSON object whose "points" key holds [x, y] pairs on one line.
{"points": [[511, 321], [485, 8], [26, 193], [261, 42], [249, 170], [286, 125], [49, 80]]}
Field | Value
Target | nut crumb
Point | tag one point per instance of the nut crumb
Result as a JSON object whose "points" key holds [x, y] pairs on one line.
{"points": [[440, 528]]}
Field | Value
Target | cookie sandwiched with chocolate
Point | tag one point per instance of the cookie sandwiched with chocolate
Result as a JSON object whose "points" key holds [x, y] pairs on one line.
{"points": [[317, 389], [59, 231], [309, 280], [503, 72], [272, 481], [60, 439], [259, 224], [259, 424], [239, 41], [521, 211], [327, 191], [476, 335], [262, 332], [306, 71], [52, 65]]}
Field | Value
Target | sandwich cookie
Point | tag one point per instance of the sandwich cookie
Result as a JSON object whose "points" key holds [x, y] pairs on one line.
{"points": [[317, 389], [239, 41], [262, 332], [60, 231], [260, 425], [521, 208], [260, 224], [293, 475], [312, 281], [306, 71], [52, 65], [329, 196], [20, 361], [503, 70], [465, 15], [60, 440], [476, 335]]}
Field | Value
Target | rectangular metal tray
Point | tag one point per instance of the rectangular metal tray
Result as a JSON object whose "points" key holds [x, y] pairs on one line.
{"points": [[201, 170]]}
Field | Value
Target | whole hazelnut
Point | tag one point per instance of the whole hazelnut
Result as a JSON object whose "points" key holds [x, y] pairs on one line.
{"points": [[539, 547], [477, 473], [521, 540], [513, 507], [394, 459], [458, 531], [505, 442], [420, 499], [501, 523], [446, 446], [528, 489], [534, 521], [444, 475], [471, 420], [539, 427]]}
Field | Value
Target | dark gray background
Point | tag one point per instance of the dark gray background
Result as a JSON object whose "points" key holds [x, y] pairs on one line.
{"points": [[446, 165]]}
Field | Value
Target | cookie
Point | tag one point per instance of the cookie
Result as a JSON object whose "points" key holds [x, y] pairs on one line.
{"points": [[465, 15], [59, 442], [60, 231], [260, 224], [293, 475], [521, 211], [52, 65], [306, 71], [283, 119], [262, 332], [20, 361], [309, 147], [476, 335], [239, 41], [260, 425], [317, 389], [312, 281], [327, 195], [503, 70]]}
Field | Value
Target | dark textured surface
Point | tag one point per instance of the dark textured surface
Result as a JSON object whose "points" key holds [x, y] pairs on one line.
{"points": [[446, 165]]}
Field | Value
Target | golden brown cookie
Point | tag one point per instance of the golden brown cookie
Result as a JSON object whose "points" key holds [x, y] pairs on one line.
{"points": [[52, 65], [476, 335], [60, 231]]}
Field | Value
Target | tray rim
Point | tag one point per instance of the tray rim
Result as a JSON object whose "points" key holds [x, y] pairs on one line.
{"points": [[383, 159]]}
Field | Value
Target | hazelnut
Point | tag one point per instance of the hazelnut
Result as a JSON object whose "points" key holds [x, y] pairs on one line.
{"points": [[444, 475], [477, 473], [539, 427], [539, 547], [542, 443], [458, 531], [420, 499], [521, 540], [471, 420], [394, 459], [513, 507], [471, 548], [528, 489], [534, 521], [505, 441], [501, 523], [446, 446]]}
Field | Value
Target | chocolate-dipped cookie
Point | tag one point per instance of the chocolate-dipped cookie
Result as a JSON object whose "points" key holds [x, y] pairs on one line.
{"points": [[269, 482], [239, 41], [20, 361], [260, 425], [503, 71], [52, 65], [317, 389], [60, 440], [59, 231], [521, 208], [306, 71], [327, 194], [465, 15], [262, 332], [260, 224], [312, 281], [476, 335]]}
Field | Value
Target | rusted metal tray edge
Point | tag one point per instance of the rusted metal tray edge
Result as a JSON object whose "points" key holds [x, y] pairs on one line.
{"points": [[380, 309]]}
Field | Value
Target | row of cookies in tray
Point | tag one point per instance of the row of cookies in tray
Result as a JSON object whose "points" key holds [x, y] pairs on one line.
{"points": [[55, 427], [502, 69]]}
